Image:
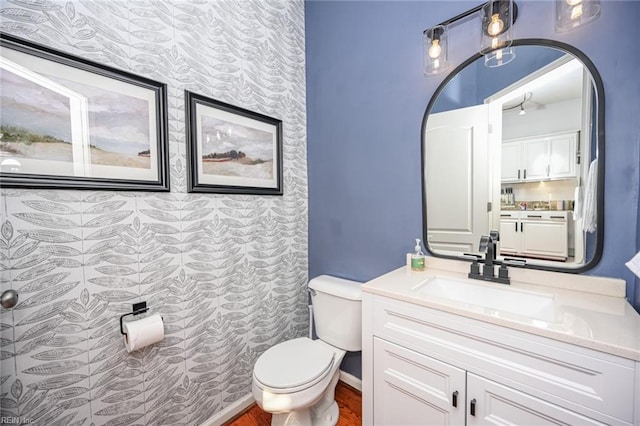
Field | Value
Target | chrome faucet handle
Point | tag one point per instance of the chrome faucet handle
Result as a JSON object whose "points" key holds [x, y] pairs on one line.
{"points": [[494, 235], [484, 243], [470, 256]]}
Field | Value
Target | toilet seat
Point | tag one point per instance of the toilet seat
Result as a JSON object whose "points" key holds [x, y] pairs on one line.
{"points": [[293, 365]]}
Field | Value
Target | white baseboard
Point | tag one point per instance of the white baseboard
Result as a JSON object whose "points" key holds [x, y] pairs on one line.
{"points": [[230, 412], [246, 401], [351, 380]]}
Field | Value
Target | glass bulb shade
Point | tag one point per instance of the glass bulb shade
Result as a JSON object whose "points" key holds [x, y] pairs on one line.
{"points": [[574, 13], [435, 51], [497, 23], [499, 57]]}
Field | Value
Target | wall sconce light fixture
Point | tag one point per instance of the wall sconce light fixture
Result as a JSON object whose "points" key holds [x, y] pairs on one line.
{"points": [[498, 17], [574, 13], [435, 50]]}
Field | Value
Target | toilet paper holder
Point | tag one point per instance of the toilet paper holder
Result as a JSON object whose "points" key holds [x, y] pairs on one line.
{"points": [[138, 308]]}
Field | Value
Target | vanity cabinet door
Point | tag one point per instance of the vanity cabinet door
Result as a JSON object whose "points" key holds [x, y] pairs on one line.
{"points": [[546, 238], [535, 156], [490, 403], [413, 389], [562, 155], [509, 233], [510, 171]]}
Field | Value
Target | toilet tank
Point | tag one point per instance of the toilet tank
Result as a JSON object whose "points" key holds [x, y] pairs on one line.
{"points": [[337, 311]]}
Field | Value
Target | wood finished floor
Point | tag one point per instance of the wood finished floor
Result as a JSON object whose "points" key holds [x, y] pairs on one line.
{"points": [[349, 402]]}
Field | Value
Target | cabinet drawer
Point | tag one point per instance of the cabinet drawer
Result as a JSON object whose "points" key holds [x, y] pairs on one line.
{"points": [[582, 380], [554, 216]]}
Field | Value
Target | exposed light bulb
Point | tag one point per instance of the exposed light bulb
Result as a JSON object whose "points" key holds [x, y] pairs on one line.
{"points": [[435, 49], [496, 26], [576, 11]]}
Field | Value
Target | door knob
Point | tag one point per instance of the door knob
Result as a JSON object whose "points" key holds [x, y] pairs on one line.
{"points": [[9, 299]]}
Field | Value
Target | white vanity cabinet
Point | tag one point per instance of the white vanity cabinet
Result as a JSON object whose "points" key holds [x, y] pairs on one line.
{"points": [[424, 366], [414, 389], [542, 234], [540, 158]]}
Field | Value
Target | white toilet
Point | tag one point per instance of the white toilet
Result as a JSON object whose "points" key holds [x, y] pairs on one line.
{"points": [[296, 380]]}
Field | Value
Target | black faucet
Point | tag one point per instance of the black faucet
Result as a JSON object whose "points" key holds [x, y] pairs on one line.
{"points": [[488, 246]]}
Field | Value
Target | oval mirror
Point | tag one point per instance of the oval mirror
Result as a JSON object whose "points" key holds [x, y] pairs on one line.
{"points": [[517, 149]]}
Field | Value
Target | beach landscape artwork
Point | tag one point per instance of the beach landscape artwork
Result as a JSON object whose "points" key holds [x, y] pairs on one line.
{"points": [[35, 123], [69, 122], [232, 150]]}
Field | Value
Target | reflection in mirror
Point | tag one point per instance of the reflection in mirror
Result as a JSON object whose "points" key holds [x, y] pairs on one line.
{"points": [[515, 149]]}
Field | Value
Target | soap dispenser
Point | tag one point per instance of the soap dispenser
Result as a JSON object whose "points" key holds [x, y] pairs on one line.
{"points": [[417, 257]]}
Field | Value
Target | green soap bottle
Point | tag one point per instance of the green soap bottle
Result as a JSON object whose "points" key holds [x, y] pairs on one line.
{"points": [[417, 257]]}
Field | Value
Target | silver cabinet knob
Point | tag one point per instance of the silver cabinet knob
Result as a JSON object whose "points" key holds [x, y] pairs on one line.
{"points": [[9, 299]]}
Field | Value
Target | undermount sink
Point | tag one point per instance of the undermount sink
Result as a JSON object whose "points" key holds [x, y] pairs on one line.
{"points": [[530, 304]]}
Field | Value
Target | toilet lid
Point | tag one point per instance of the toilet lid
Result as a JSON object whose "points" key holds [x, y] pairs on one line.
{"points": [[293, 363]]}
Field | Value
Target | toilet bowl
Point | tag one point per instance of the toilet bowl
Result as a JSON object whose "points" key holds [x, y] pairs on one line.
{"points": [[295, 380]]}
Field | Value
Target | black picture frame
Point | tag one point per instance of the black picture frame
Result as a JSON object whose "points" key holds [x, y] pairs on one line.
{"points": [[90, 126], [231, 150]]}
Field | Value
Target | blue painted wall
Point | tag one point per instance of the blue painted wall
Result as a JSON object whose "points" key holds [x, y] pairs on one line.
{"points": [[366, 95]]}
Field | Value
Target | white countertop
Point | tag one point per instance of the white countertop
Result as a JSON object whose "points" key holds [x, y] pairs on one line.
{"points": [[603, 321]]}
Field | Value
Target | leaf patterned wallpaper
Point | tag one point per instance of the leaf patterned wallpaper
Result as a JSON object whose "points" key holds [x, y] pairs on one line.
{"points": [[227, 273]]}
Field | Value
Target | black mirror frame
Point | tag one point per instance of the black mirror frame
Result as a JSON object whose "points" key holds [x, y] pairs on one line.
{"points": [[599, 89]]}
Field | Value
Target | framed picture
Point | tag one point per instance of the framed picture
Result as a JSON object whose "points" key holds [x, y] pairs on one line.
{"points": [[67, 122], [232, 150]]}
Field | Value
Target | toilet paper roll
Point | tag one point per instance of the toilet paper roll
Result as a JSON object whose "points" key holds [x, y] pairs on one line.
{"points": [[144, 332]]}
